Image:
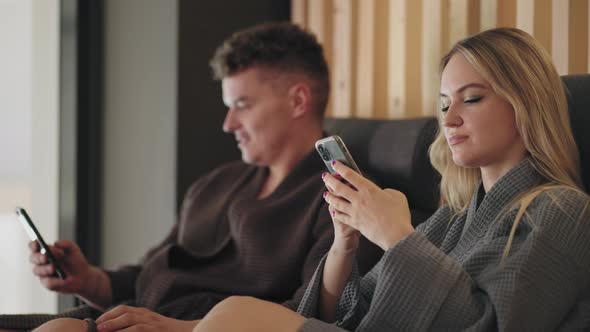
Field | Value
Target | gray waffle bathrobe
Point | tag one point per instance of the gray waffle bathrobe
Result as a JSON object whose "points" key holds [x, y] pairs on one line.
{"points": [[448, 276]]}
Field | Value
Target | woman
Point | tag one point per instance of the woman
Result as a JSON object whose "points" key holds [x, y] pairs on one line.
{"points": [[509, 250]]}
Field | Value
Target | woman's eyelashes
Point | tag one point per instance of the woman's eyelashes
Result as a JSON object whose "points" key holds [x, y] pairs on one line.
{"points": [[469, 100], [472, 99]]}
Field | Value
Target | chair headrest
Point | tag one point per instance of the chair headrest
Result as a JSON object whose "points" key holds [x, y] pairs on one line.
{"points": [[578, 92]]}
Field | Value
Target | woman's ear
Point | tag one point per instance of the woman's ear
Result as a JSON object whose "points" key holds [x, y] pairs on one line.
{"points": [[300, 98]]}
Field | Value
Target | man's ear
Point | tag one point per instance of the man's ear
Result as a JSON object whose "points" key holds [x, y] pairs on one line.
{"points": [[300, 99]]}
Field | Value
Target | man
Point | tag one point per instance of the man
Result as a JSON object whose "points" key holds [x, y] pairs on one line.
{"points": [[257, 227]]}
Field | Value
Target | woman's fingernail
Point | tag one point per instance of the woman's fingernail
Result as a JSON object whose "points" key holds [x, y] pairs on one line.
{"points": [[324, 194], [324, 175], [333, 162], [333, 213], [336, 174]]}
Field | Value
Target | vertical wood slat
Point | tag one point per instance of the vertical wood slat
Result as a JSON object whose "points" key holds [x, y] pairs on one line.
{"points": [[382, 64], [397, 59], [342, 81], [432, 51], [365, 60], [299, 12], [543, 23], [413, 47], [506, 13], [578, 37], [473, 16], [559, 35], [534, 17], [488, 14], [525, 15], [382, 59], [464, 18], [319, 21], [457, 20]]}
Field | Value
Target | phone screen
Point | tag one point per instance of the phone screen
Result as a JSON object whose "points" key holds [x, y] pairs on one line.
{"points": [[34, 235]]}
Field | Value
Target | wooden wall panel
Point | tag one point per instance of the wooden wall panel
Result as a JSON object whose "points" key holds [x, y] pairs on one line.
{"points": [[543, 23], [434, 46], [365, 59], [384, 54], [382, 59], [397, 59], [559, 33], [578, 37], [525, 15], [343, 82], [506, 16], [464, 19], [489, 14], [299, 12], [320, 21], [413, 47]]}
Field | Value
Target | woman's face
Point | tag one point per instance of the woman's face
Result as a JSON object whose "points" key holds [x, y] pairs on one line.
{"points": [[479, 125]]}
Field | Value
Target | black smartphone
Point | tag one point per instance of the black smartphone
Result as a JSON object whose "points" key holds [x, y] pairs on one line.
{"points": [[333, 148], [34, 235]]}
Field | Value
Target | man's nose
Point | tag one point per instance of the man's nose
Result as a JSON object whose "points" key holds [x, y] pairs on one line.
{"points": [[229, 123]]}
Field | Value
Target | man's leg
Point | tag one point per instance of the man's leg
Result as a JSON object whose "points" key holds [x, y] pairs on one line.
{"points": [[241, 313], [63, 324]]}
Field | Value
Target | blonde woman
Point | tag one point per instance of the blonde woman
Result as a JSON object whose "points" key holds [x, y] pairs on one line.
{"points": [[510, 248]]}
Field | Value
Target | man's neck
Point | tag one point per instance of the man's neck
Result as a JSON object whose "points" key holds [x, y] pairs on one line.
{"points": [[279, 170]]}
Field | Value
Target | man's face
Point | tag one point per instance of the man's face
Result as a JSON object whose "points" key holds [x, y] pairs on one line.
{"points": [[258, 114]]}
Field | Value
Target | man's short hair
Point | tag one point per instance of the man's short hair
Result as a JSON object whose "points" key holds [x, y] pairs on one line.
{"points": [[282, 46]]}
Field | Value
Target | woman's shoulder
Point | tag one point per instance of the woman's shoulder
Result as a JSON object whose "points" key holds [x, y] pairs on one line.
{"points": [[561, 203], [561, 217]]}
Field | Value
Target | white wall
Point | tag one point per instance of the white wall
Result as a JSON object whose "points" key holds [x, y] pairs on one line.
{"points": [[140, 127], [29, 87]]}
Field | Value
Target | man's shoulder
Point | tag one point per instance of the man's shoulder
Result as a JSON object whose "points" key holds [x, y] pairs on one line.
{"points": [[232, 167], [227, 173]]}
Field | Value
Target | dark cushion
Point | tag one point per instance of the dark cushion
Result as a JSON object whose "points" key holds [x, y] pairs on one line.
{"points": [[578, 92]]}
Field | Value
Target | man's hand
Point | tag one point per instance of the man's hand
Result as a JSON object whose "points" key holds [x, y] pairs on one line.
{"points": [[126, 318], [82, 278]]}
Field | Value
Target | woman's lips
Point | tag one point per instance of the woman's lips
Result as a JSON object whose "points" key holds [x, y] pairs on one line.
{"points": [[457, 139]]}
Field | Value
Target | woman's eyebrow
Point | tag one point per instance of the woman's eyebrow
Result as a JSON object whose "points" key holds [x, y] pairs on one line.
{"points": [[466, 86]]}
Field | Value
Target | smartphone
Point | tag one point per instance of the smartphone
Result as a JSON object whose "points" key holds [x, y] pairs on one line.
{"points": [[333, 148], [34, 235]]}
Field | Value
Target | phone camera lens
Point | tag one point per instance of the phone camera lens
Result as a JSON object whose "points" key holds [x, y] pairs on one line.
{"points": [[324, 152]]}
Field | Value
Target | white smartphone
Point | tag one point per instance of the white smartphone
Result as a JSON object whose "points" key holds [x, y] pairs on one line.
{"points": [[34, 235], [333, 148]]}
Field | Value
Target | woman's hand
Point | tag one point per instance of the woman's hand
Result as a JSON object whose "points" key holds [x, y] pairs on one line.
{"points": [[127, 318], [346, 238], [381, 215]]}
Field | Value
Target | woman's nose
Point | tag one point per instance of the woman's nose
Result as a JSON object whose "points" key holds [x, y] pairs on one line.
{"points": [[452, 118]]}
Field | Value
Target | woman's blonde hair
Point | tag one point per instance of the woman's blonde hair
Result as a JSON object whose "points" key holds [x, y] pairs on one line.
{"points": [[519, 70]]}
